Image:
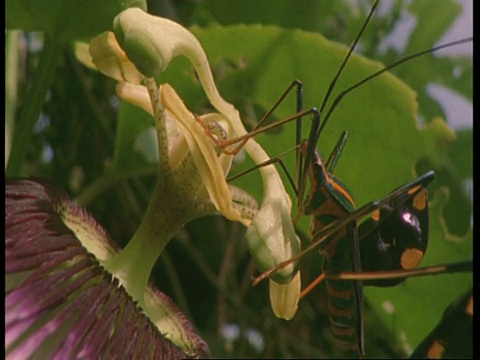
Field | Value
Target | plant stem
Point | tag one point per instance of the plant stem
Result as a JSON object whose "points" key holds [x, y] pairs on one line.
{"points": [[168, 211], [11, 82], [32, 106]]}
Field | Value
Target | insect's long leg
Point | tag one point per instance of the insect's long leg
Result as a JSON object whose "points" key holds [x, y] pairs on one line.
{"points": [[336, 152], [305, 160], [252, 133], [298, 85], [299, 90], [461, 266], [312, 285], [298, 139], [276, 160]]}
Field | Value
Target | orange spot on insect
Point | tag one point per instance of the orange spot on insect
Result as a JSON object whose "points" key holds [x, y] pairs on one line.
{"points": [[340, 294], [435, 351], [469, 307], [420, 200], [347, 313], [414, 190], [376, 215], [344, 332], [411, 258]]}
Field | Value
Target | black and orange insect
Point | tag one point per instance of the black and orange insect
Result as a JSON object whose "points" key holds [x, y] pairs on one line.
{"points": [[452, 338], [389, 244]]}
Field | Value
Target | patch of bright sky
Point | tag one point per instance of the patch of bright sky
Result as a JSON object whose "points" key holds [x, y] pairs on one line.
{"points": [[458, 109]]}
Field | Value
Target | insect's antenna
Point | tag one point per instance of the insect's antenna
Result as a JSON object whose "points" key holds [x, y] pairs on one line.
{"points": [[347, 57], [342, 94], [316, 126]]}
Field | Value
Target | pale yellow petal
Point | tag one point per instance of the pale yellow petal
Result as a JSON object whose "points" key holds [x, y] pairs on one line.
{"points": [[136, 95], [111, 60], [284, 297], [202, 149]]}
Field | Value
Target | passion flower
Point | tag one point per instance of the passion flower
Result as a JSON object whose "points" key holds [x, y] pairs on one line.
{"points": [[60, 301]]}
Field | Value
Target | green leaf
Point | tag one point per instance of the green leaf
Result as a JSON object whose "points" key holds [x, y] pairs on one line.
{"points": [[66, 20], [460, 152]]}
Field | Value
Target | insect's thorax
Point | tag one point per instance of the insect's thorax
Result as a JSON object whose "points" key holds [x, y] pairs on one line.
{"points": [[328, 199]]}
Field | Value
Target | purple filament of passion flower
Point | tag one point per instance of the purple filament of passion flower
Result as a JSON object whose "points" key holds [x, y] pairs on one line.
{"points": [[62, 302]]}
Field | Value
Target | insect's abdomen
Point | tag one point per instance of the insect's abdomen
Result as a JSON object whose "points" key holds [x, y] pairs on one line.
{"points": [[328, 201], [343, 298]]}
